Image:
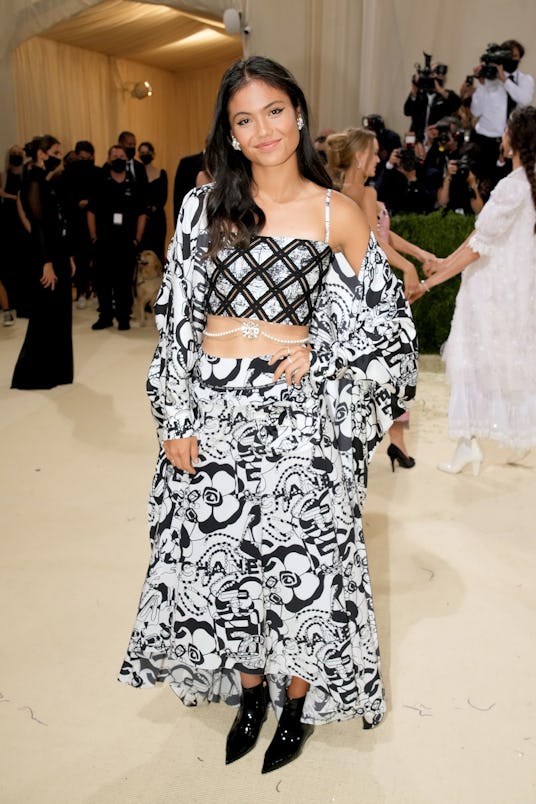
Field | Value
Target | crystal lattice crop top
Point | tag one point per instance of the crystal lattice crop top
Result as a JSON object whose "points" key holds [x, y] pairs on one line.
{"points": [[276, 279]]}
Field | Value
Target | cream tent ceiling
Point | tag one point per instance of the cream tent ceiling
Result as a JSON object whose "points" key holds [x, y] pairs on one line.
{"points": [[156, 35]]}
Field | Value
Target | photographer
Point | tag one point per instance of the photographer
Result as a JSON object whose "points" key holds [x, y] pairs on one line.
{"points": [[497, 88], [461, 191], [428, 100], [443, 144], [405, 185]]}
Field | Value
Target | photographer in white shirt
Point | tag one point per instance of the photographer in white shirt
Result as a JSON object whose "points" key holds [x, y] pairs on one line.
{"points": [[492, 99]]}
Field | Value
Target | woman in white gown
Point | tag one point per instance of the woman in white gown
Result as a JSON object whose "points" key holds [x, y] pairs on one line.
{"points": [[490, 351]]}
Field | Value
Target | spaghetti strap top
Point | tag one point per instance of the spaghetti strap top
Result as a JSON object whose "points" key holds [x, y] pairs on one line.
{"points": [[327, 215], [275, 279]]}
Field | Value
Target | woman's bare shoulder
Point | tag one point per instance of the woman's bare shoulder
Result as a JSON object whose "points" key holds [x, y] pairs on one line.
{"points": [[347, 219]]}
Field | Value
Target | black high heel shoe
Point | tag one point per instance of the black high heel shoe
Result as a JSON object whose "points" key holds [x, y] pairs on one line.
{"points": [[289, 738], [247, 724], [396, 454]]}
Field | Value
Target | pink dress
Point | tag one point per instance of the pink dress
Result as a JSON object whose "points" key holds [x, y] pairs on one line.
{"points": [[384, 228]]}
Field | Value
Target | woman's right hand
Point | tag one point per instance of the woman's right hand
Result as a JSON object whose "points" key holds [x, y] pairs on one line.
{"points": [[49, 278], [432, 266], [182, 453], [293, 363]]}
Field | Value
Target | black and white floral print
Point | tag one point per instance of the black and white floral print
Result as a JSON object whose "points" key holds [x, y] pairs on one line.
{"points": [[258, 561]]}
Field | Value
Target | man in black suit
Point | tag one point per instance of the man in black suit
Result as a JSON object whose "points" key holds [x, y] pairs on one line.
{"points": [[427, 105], [135, 169], [187, 170]]}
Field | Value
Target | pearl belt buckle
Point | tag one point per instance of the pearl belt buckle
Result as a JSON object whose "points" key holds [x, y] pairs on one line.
{"points": [[250, 329]]}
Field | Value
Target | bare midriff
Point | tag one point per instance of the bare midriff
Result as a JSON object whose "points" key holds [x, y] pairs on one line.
{"points": [[257, 344]]}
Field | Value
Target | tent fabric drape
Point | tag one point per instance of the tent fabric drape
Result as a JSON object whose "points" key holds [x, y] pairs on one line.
{"points": [[77, 94], [352, 57]]}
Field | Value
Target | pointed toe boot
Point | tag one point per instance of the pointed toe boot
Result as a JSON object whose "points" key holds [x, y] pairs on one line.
{"points": [[289, 737], [247, 724]]}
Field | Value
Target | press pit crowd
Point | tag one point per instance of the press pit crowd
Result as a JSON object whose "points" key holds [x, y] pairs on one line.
{"points": [[450, 158]]}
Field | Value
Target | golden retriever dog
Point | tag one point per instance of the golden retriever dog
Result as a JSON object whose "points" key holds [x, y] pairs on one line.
{"points": [[147, 284]]}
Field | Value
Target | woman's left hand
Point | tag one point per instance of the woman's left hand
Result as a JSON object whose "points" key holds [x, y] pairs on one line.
{"points": [[49, 278], [294, 363], [426, 256]]}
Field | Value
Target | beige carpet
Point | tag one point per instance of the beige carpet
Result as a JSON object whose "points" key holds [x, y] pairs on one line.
{"points": [[453, 563]]}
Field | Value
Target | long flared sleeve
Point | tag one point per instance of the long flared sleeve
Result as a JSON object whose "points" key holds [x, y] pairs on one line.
{"points": [[365, 357], [499, 214], [168, 380], [364, 326]]}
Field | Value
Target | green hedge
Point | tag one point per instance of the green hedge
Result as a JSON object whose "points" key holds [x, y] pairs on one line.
{"points": [[440, 234]]}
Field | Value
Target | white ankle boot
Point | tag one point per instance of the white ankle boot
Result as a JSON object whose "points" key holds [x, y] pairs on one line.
{"points": [[467, 451]]}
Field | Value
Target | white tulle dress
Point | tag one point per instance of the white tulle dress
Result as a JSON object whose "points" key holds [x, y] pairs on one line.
{"points": [[490, 354]]}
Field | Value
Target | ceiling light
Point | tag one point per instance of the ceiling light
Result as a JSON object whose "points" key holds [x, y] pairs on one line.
{"points": [[141, 90], [232, 19]]}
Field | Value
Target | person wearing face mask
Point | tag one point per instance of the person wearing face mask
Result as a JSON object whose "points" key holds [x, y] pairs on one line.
{"points": [[116, 221], [79, 179], [135, 169], [493, 99], [46, 357], [154, 238], [12, 235]]}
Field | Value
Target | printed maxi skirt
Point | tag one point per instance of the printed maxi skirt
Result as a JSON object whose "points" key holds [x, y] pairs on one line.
{"points": [[258, 562]]}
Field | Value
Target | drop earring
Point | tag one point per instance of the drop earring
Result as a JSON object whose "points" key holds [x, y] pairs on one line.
{"points": [[299, 122], [235, 143]]}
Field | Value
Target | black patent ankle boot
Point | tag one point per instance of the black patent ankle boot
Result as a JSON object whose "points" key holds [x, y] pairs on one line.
{"points": [[247, 724], [289, 737]]}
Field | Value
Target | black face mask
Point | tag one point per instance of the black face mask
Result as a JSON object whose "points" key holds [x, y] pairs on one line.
{"points": [[15, 160], [146, 158], [118, 165], [51, 163], [81, 167], [511, 65], [130, 152]]}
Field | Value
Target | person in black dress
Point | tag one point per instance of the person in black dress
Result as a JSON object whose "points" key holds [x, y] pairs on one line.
{"points": [[154, 237], [13, 236], [46, 357], [79, 180]]}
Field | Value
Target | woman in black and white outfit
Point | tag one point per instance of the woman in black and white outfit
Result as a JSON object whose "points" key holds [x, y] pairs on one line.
{"points": [[286, 350]]}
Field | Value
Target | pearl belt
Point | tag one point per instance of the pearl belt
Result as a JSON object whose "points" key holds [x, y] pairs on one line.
{"points": [[250, 329]]}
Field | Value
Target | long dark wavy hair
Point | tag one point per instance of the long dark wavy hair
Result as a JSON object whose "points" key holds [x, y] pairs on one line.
{"points": [[232, 214], [522, 133]]}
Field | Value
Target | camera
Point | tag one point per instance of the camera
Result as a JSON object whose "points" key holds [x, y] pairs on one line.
{"points": [[373, 122], [408, 160], [464, 166], [426, 76], [443, 133], [462, 137], [494, 55]]}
